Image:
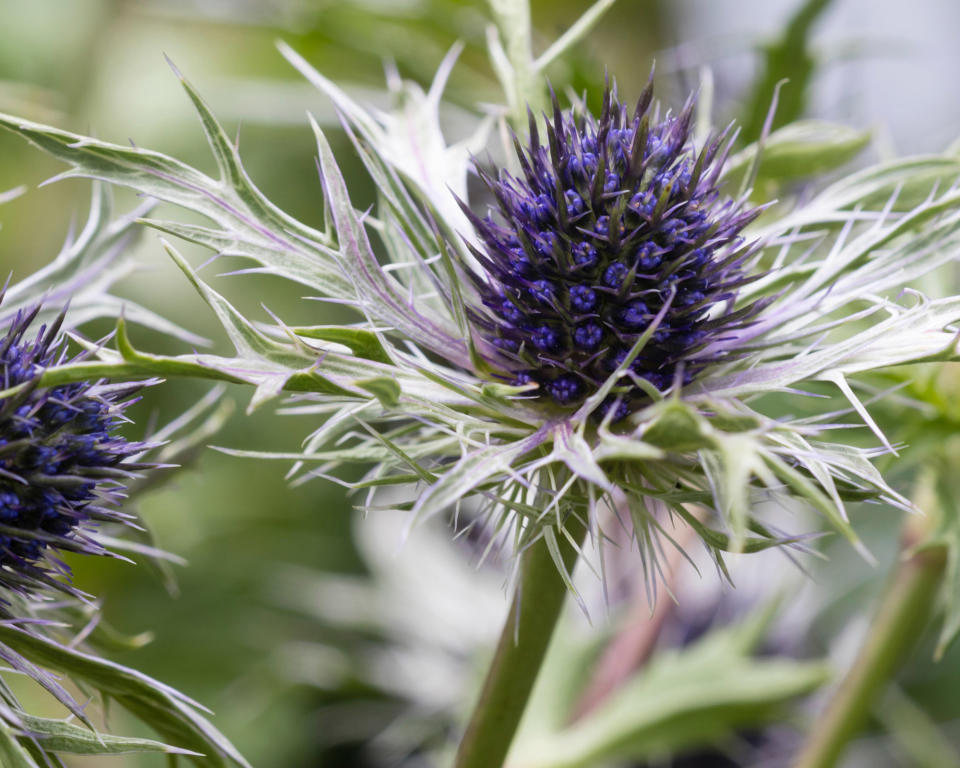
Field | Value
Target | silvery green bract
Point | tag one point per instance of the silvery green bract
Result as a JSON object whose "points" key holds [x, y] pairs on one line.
{"points": [[81, 275], [408, 393]]}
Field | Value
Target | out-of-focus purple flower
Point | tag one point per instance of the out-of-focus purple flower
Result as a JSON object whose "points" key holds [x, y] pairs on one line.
{"points": [[614, 229], [62, 467]]}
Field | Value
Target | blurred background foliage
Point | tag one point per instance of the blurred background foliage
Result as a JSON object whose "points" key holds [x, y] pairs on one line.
{"points": [[303, 627]]}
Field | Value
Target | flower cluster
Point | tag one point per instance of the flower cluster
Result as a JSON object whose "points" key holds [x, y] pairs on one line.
{"points": [[615, 230], [61, 467]]}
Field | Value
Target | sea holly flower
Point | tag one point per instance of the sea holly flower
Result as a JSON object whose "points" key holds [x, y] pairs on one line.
{"points": [[63, 468], [615, 236]]}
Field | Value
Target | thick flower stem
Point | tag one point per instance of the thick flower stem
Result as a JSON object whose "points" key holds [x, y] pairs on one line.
{"points": [[536, 606], [904, 613]]}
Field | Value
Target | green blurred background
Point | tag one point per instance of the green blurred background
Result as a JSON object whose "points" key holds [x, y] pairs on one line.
{"points": [[97, 66]]}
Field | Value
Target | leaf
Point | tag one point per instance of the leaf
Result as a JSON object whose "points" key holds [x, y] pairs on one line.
{"points": [[676, 426], [406, 144], [803, 487], [694, 697], [472, 470], [362, 342], [247, 223], [262, 361], [574, 34], [381, 296], [903, 183], [786, 59], [294, 266], [387, 391], [12, 753], [731, 469], [908, 335], [801, 149], [246, 339], [84, 270], [164, 709], [104, 636], [63, 736], [917, 735], [723, 543]]}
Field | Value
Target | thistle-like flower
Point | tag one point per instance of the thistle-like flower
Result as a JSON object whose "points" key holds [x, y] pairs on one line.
{"points": [[615, 232], [62, 468]]}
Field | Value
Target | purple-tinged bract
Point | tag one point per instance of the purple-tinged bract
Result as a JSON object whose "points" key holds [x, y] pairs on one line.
{"points": [[615, 222], [62, 468]]}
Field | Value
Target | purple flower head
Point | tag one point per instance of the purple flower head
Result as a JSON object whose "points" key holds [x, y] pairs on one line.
{"points": [[62, 468], [639, 236]]}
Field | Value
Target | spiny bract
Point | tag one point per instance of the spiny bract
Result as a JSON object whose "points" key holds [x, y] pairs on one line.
{"points": [[61, 467], [616, 226]]}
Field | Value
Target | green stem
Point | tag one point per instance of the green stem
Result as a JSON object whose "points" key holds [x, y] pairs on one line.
{"points": [[523, 85], [904, 613], [536, 606]]}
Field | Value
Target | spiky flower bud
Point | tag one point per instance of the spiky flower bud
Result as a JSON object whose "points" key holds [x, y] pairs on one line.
{"points": [[62, 468], [616, 229]]}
